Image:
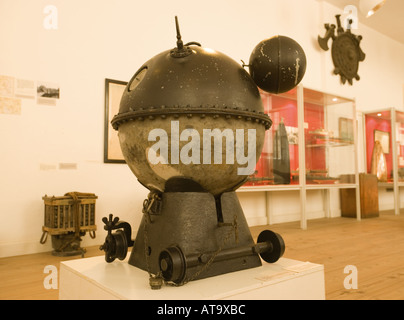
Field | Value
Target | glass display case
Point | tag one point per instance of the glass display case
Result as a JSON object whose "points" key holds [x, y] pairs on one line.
{"points": [[384, 149], [400, 146], [330, 152], [311, 145], [279, 160]]}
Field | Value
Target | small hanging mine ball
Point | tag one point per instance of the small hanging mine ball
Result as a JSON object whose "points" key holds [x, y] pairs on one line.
{"points": [[277, 64]]}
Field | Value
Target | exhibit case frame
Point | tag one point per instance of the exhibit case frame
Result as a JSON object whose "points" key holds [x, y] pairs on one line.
{"points": [[314, 131], [387, 127]]}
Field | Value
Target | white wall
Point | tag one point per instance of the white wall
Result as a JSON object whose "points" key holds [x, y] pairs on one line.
{"points": [[111, 39]]}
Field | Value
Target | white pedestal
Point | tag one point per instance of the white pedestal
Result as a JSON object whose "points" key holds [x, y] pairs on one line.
{"points": [[93, 279]]}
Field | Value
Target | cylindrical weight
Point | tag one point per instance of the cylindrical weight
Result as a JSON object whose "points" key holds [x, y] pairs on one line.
{"points": [[172, 264], [277, 244]]}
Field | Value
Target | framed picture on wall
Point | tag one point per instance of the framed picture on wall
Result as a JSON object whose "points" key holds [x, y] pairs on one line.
{"points": [[345, 129], [384, 138], [113, 94]]}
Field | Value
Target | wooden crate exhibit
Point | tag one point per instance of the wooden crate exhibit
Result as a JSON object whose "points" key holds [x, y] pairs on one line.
{"points": [[66, 219]]}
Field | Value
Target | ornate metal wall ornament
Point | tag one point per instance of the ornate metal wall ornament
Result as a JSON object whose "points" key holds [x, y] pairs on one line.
{"points": [[345, 50]]}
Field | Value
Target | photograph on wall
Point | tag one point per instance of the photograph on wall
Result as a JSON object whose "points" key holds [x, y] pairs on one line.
{"points": [[10, 105], [292, 132], [384, 139], [6, 86], [345, 129], [47, 93], [113, 94], [25, 88]]}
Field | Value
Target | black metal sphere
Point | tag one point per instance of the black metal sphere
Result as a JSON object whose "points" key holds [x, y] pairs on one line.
{"points": [[277, 64]]}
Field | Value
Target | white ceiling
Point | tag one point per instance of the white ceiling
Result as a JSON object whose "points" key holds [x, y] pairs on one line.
{"points": [[387, 20]]}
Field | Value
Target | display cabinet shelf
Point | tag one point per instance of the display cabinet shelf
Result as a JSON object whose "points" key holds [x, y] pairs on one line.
{"points": [[329, 143], [311, 144]]}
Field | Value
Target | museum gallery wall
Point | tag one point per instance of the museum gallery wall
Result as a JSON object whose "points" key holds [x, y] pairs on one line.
{"points": [[56, 145]]}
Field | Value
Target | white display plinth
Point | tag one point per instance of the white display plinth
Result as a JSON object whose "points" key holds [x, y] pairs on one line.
{"points": [[93, 279]]}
